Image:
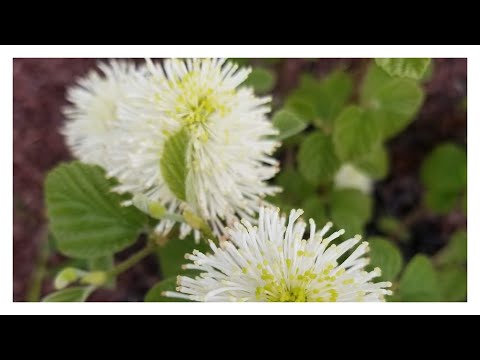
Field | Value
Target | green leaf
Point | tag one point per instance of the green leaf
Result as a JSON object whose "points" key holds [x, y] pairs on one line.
{"points": [[356, 133], [155, 293], [439, 202], [419, 281], [288, 123], [85, 216], [404, 67], [334, 92], [465, 204], [173, 163], [326, 98], [375, 164], [385, 255], [395, 100], [445, 169], [453, 282], [393, 227], [455, 253], [302, 108], [444, 175], [295, 187], [74, 294], [353, 202], [172, 254], [315, 208], [317, 160], [261, 79], [350, 210]]}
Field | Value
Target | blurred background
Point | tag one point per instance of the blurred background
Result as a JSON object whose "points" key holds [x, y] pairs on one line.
{"points": [[399, 211]]}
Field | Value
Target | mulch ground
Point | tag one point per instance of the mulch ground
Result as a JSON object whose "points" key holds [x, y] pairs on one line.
{"points": [[39, 95]]}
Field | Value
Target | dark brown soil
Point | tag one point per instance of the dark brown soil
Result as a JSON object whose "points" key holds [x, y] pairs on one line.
{"points": [[39, 89]]}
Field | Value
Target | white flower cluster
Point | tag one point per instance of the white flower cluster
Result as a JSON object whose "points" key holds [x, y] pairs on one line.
{"points": [[272, 263], [123, 119], [128, 118]]}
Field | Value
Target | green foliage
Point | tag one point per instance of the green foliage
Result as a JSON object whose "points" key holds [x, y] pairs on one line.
{"points": [[295, 187], [419, 281], [302, 108], [85, 216], [455, 253], [453, 282], [323, 99], [385, 255], [350, 210], [404, 67], [393, 227], [288, 123], [173, 163], [356, 133], [444, 175], [261, 79], [395, 100], [315, 208], [172, 254], [155, 294], [74, 294], [317, 160], [375, 163]]}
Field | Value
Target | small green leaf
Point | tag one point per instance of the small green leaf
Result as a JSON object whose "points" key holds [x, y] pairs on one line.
{"points": [[261, 79], [334, 92], [288, 123], [326, 97], [385, 255], [295, 187], [444, 175], [439, 202], [315, 208], [395, 100], [419, 281], [356, 133], [317, 160], [394, 227], [303, 109], [172, 254], [155, 294], [453, 282], [76, 294], [455, 253], [350, 210], [352, 202], [445, 169], [375, 164], [173, 163], [85, 216], [413, 68]]}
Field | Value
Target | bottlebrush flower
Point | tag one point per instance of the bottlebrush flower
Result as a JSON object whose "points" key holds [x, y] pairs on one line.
{"points": [[229, 141], [271, 263], [92, 114]]}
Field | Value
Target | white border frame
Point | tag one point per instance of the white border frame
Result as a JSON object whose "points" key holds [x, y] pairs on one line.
{"points": [[256, 51]]}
